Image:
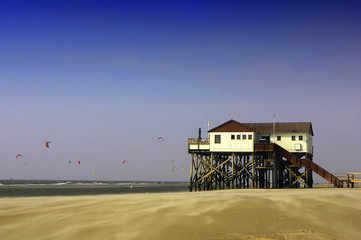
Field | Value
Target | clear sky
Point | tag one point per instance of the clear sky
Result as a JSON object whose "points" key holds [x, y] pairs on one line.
{"points": [[102, 80]]}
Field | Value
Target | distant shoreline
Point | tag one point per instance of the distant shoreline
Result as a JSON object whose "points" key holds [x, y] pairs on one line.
{"points": [[25, 188]]}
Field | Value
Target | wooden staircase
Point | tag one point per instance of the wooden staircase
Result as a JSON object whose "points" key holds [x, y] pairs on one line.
{"points": [[308, 164]]}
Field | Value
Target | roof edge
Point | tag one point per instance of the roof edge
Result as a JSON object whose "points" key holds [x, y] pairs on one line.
{"points": [[228, 122]]}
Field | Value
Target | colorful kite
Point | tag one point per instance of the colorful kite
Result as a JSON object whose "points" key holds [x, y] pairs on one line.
{"points": [[47, 144]]}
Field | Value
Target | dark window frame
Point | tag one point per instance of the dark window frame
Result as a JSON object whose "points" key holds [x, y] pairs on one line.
{"points": [[279, 138], [217, 138], [300, 137], [250, 137], [293, 138]]}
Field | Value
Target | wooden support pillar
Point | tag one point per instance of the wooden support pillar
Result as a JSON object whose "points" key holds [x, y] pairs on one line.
{"points": [[261, 178], [290, 179], [309, 177], [232, 176], [253, 166], [275, 173], [191, 174]]}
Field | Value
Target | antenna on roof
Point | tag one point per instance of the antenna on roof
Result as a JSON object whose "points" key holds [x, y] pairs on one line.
{"points": [[274, 126], [209, 124]]}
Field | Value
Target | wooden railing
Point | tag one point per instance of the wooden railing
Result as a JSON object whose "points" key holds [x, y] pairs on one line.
{"points": [[349, 178], [198, 144], [198, 140]]}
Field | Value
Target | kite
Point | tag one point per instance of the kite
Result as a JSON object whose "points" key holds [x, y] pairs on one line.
{"points": [[124, 161], [93, 172], [182, 168], [47, 144], [172, 169], [160, 139], [69, 162], [19, 155], [78, 162]]}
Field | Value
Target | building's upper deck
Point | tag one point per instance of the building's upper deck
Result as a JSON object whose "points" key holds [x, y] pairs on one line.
{"points": [[198, 144]]}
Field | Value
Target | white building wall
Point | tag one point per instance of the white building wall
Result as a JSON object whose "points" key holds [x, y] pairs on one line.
{"points": [[228, 144], [296, 145], [309, 143]]}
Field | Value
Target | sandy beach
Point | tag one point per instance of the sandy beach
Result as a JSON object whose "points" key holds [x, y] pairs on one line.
{"points": [[228, 214]]}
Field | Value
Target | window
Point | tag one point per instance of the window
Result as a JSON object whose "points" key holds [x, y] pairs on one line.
{"points": [[249, 136], [244, 136], [293, 138], [238, 137], [217, 138], [300, 138], [278, 138], [232, 136]]}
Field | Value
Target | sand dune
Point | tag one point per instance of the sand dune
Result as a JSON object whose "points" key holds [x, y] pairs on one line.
{"points": [[228, 214]]}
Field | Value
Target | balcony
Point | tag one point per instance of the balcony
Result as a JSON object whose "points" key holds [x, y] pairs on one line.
{"points": [[198, 144]]}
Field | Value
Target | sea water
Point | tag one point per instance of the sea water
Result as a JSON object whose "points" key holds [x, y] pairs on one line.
{"points": [[22, 188]]}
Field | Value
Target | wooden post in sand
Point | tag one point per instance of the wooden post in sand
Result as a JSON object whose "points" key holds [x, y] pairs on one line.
{"points": [[275, 173], [309, 177], [191, 174]]}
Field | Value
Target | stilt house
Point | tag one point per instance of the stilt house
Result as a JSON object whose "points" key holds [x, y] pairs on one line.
{"points": [[261, 155]]}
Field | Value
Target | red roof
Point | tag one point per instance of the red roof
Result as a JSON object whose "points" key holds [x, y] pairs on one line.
{"points": [[290, 127], [231, 126], [282, 127]]}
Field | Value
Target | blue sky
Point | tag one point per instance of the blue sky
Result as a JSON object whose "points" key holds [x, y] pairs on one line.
{"points": [[103, 79]]}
